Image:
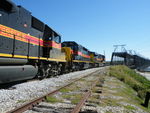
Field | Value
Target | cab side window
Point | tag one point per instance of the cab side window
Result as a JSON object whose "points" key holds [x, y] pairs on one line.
{"points": [[37, 24], [47, 33]]}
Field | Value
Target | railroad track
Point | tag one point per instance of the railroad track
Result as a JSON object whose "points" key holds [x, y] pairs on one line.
{"points": [[84, 99], [41, 105]]}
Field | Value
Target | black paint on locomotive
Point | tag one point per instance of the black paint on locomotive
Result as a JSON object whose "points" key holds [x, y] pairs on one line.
{"points": [[77, 48], [29, 48]]}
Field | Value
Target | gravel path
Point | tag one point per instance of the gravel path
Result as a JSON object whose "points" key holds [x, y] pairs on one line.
{"points": [[9, 99]]}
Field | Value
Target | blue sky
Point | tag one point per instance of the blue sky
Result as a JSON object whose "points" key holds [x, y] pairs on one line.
{"points": [[97, 24]]}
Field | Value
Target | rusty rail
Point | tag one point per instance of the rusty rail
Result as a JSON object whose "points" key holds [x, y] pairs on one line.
{"points": [[81, 103], [36, 101], [84, 99]]}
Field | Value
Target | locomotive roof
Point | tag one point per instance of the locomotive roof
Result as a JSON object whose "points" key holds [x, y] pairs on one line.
{"points": [[97, 54], [70, 42], [15, 8], [55, 33], [75, 44]]}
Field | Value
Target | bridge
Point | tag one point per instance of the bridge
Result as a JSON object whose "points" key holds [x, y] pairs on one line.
{"points": [[129, 59], [132, 61]]}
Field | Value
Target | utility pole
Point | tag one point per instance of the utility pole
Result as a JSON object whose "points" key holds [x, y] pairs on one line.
{"points": [[104, 52]]}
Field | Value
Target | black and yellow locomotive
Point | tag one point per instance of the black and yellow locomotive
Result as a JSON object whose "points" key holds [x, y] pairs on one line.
{"points": [[29, 48], [80, 55]]}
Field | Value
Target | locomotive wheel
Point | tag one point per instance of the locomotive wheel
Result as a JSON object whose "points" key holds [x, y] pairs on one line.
{"points": [[53, 71], [43, 71], [59, 69], [42, 74], [63, 69], [74, 67]]}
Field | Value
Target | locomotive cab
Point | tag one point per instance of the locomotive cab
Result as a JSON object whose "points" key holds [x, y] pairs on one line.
{"points": [[74, 48], [52, 44]]}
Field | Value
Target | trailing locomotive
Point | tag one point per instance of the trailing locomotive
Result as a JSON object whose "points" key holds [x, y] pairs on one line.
{"points": [[82, 58], [99, 60], [29, 48], [80, 55]]}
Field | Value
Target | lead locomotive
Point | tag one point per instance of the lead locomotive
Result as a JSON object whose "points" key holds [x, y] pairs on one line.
{"points": [[29, 48]]}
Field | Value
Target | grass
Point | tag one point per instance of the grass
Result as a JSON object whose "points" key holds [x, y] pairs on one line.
{"points": [[21, 101], [109, 102], [70, 88], [129, 107], [127, 96], [52, 99], [139, 83], [65, 90], [75, 101], [75, 98]]}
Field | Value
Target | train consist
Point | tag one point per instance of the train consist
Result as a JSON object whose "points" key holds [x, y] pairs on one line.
{"points": [[29, 48]]}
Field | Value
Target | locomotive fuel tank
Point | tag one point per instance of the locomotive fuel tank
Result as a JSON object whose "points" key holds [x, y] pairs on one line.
{"points": [[16, 73]]}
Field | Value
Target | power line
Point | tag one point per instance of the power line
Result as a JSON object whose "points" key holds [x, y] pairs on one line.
{"points": [[122, 48]]}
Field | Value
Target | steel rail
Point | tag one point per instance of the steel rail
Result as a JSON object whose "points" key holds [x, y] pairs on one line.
{"points": [[84, 99], [36, 101], [81, 103]]}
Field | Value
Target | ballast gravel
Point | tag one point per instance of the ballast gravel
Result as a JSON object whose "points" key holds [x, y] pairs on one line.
{"points": [[24, 92]]}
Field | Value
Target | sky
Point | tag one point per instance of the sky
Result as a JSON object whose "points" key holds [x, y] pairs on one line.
{"points": [[97, 24]]}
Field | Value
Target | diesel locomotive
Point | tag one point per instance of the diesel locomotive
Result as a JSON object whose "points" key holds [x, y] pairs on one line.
{"points": [[29, 48]]}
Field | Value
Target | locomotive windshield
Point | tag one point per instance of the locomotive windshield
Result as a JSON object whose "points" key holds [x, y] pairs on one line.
{"points": [[57, 39], [73, 46], [49, 34], [85, 51]]}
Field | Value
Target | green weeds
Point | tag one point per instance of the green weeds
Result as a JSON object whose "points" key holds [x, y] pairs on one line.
{"points": [[52, 99], [130, 77]]}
